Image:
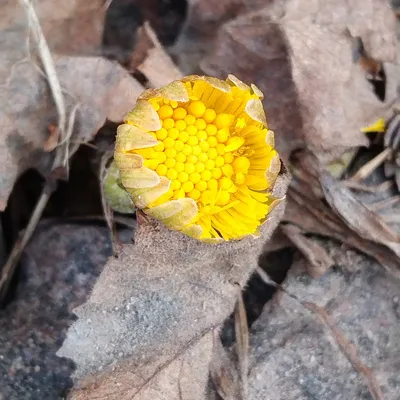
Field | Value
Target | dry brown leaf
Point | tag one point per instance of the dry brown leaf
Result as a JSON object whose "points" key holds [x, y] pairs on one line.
{"points": [[318, 259], [155, 308], [299, 54], [101, 89], [357, 216], [308, 209], [70, 27], [158, 67], [94, 89]]}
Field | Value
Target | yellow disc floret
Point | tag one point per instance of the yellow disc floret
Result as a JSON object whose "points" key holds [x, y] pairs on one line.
{"points": [[208, 160]]}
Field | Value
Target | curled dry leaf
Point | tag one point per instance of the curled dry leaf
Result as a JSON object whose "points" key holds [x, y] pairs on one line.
{"points": [[299, 54], [308, 208], [154, 309], [101, 89], [358, 217], [94, 88]]}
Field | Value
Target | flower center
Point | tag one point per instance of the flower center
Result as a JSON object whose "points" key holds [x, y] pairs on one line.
{"points": [[198, 151]]}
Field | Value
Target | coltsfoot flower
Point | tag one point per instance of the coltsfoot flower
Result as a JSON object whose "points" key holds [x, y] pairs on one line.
{"points": [[197, 155]]}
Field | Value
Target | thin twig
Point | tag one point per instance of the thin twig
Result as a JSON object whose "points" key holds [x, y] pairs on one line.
{"points": [[107, 210], [55, 87], [9, 267], [242, 342], [48, 64], [106, 5], [367, 169], [68, 135], [369, 188], [384, 203], [391, 218], [347, 348]]}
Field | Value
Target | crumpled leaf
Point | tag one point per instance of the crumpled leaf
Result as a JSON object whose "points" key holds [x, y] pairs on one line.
{"points": [[299, 54], [97, 88], [358, 217], [339, 340], [101, 88], [308, 208], [151, 317]]}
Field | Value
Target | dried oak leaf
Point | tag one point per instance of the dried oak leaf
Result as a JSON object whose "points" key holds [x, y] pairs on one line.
{"points": [[299, 53], [149, 322], [101, 89]]}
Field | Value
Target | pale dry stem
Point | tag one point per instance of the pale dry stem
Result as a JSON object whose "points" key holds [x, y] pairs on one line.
{"points": [[62, 152], [369, 188], [107, 210], [242, 343], [367, 169], [379, 205]]}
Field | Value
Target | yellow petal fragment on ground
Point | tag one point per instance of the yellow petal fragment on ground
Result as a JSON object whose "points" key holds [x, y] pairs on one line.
{"points": [[377, 126]]}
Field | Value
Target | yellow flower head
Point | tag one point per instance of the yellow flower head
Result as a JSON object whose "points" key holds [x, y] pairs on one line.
{"points": [[197, 155]]}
